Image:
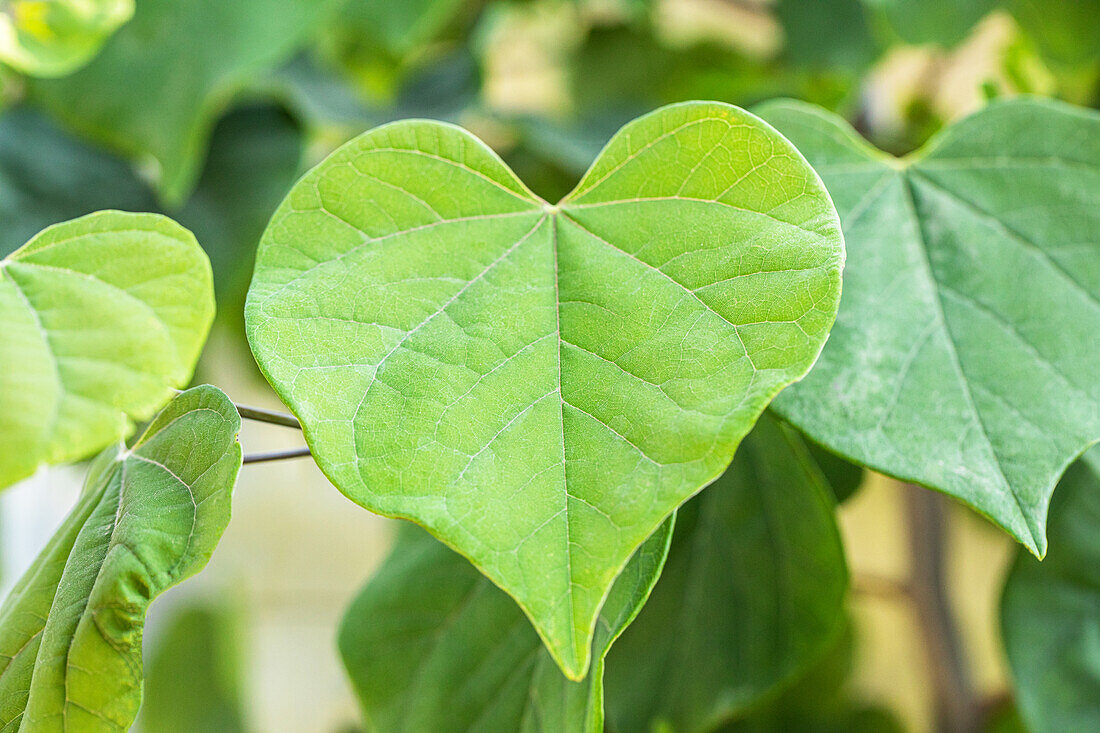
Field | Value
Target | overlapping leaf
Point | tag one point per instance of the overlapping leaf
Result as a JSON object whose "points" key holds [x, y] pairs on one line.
{"points": [[157, 89], [964, 356], [56, 37], [752, 595], [1050, 613], [149, 517], [103, 316], [541, 386], [430, 644]]}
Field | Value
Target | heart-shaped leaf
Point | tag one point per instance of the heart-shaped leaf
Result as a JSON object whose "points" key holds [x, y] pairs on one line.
{"points": [[541, 386], [56, 37], [148, 517], [751, 596], [102, 317], [430, 644], [964, 356], [1050, 612]]}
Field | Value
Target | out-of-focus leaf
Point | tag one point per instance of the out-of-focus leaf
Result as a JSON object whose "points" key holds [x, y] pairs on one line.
{"points": [[193, 676], [1050, 613], [159, 85], [821, 701], [943, 22], [56, 37], [964, 355], [102, 317], [752, 594], [829, 35], [842, 476], [47, 176], [148, 517], [400, 27], [541, 386], [431, 644], [255, 157]]}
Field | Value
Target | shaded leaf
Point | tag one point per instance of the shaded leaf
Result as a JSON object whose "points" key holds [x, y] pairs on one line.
{"points": [[964, 354], [751, 596], [48, 176], [193, 678], [56, 37], [134, 98], [541, 386], [431, 644], [148, 517], [103, 316], [1050, 612]]}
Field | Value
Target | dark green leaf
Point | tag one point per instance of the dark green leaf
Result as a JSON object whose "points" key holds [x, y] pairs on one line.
{"points": [[431, 644], [751, 595], [964, 356]]}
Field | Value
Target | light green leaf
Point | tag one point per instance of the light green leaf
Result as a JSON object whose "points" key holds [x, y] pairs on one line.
{"points": [[148, 517], [56, 37], [964, 356], [430, 644], [541, 386], [135, 97], [751, 596], [103, 316], [1050, 612]]}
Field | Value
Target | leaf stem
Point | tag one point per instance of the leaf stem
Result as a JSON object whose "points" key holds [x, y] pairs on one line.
{"points": [[278, 455], [269, 416], [958, 706]]}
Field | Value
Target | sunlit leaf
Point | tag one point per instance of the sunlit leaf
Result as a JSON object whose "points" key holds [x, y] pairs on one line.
{"points": [[964, 356], [148, 517], [752, 594], [102, 317], [431, 644], [1050, 613], [541, 386], [159, 86], [56, 37]]}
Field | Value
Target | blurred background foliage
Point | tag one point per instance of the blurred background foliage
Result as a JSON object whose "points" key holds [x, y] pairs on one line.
{"points": [[208, 110]]}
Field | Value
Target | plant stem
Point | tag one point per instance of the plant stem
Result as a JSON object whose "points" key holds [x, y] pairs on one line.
{"points": [[278, 455], [958, 706], [268, 416]]}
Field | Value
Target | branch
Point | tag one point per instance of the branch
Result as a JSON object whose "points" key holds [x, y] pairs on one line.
{"points": [[958, 706], [278, 455]]}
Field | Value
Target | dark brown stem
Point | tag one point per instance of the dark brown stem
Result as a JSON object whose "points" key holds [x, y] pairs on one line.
{"points": [[278, 455], [958, 706]]}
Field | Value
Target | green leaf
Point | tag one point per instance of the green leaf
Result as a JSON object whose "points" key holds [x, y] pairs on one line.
{"points": [[431, 644], [1050, 612], [148, 517], [47, 176], [103, 316], [541, 386], [964, 354], [751, 596], [135, 98], [193, 681], [56, 37]]}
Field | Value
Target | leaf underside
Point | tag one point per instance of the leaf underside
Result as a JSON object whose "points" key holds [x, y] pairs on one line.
{"points": [[103, 316], [431, 644], [148, 517], [964, 355], [541, 386]]}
